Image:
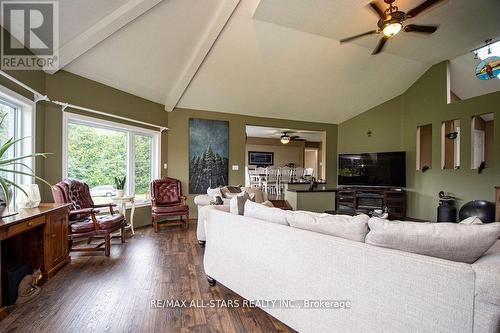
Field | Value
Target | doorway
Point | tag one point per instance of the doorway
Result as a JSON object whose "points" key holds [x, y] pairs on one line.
{"points": [[311, 160]]}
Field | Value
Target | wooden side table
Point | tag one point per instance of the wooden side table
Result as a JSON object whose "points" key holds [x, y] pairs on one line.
{"points": [[121, 202]]}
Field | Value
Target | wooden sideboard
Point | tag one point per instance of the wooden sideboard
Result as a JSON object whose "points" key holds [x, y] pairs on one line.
{"points": [[37, 237], [497, 189]]}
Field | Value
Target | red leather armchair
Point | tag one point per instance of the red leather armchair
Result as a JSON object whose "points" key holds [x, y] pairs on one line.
{"points": [[167, 200], [83, 219]]}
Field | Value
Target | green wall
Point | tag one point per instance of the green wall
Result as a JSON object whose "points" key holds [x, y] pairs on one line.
{"points": [[73, 89], [394, 123], [178, 143]]}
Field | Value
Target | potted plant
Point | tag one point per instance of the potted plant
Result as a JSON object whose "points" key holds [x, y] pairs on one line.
{"points": [[13, 166], [120, 185]]}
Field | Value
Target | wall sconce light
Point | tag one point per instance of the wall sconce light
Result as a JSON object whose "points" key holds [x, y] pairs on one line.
{"points": [[482, 166], [452, 135]]}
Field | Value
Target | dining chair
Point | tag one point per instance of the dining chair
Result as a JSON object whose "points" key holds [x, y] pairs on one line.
{"points": [[298, 173], [270, 181], [285, 178], [308, 172], [253, 178]]}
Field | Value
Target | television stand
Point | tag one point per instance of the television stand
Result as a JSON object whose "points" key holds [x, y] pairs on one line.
{"points": [[366, 199]]}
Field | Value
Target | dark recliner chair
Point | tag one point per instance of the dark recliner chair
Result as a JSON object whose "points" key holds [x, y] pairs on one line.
{"points": [[167, 200], [83, 219]]}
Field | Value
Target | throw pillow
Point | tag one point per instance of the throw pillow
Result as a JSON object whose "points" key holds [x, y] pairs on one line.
{"points": [[349, 227], [451, 241], [230, 191], [261, 212], [257, 191], [213, 192], [267, 203], [472, 220], [237, 203]]}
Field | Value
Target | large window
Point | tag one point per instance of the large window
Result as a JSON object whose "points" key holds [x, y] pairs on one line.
{"points": [[97, 151], [18, 119]]}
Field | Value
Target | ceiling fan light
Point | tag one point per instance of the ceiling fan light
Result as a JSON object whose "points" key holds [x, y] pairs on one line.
{"points": [[285, 139], [392, 29]]}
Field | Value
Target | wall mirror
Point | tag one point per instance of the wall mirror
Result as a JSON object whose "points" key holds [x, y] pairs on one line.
{"points": [[482, 141], [450, 144], [424, 147]]}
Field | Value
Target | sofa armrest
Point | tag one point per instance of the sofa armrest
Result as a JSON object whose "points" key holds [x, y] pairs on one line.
{"points": [[487, 291]]}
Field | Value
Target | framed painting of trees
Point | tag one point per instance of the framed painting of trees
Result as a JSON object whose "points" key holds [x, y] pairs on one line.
{"points": [[208, 154]]}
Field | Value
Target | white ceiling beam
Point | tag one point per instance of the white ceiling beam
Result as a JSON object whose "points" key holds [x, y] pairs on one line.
{"points": [[103, 29], [200, 52]]}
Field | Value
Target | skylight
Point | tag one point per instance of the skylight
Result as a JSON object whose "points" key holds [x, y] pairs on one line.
{"points": [[488, 51]]}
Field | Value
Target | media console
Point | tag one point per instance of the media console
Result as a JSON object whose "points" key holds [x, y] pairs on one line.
{"points": [[366, 199]]}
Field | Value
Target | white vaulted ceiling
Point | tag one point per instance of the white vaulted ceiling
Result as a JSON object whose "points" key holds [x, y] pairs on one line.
{"points": [[272, 58]]}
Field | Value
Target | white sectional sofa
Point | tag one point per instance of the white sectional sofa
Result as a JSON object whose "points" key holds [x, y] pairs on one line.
{"points": [[387, 290], [203, 201]]}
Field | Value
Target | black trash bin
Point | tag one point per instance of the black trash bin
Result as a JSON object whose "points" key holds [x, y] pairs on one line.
{"points": [[447, 211]]}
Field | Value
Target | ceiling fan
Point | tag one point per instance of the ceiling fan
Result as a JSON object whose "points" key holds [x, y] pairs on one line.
{"points": [[285, 138], [391, 22]]}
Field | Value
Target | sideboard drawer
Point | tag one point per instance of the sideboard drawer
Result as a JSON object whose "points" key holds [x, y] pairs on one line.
{"points": [[26, 225]]}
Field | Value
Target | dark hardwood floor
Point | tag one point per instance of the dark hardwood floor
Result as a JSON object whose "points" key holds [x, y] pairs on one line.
{"points": [[98, 294]]}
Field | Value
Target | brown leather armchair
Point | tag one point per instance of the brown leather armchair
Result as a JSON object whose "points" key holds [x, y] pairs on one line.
{"points": [[83, 219], [167, 200]]}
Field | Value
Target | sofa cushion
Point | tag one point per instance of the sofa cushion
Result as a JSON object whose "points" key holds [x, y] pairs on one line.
{"points": [[205, 200], [213, 192], [264, 213], [230, 191], [349, 227], [237, 203], [267, 203], [452, 241], [257, 191]]}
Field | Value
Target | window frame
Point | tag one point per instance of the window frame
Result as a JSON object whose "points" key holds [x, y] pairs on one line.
{"points": [[130, 131], [24, 127]]}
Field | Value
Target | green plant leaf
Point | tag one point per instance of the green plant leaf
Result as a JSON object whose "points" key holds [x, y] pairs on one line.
{"points": [[8, 161], [25, 174], [16, 186], [23, 165], [9, 144], [5, 189]]}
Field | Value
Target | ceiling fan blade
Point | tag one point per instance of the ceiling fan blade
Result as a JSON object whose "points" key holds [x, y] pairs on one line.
{"points": [[345, 40], [423, 6], [427, 29], [377, 9], [380, 45]]}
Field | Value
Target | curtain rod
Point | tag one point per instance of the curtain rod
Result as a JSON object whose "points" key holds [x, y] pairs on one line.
{"points": [[37, 97], [64, 106]]}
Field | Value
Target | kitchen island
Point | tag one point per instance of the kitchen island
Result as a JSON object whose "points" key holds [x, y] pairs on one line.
{"points": [[317, 200]]}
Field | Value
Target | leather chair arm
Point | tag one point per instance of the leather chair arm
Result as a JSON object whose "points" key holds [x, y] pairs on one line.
{"points": [[105, 205], [82, 211], [90, 211], [110, 205]]}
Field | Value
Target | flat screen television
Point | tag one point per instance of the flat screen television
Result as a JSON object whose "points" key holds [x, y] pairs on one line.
{"points": [[373, 169]]}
